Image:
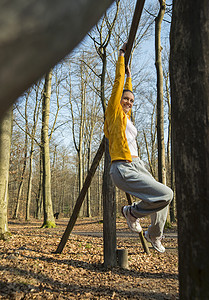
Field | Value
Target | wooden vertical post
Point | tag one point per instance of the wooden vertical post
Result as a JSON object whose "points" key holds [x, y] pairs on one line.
{"points": [[122, 258], [109, 205], [109, 214]]}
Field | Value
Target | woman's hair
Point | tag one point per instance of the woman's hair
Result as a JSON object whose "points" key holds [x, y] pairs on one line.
{"points": [[126, 90]]}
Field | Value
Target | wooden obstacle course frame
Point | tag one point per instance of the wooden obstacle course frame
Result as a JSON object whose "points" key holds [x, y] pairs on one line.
{"points": [[100, 151]]}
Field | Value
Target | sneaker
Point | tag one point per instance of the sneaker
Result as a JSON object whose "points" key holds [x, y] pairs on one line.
{"points": [[132, 222], [156, 242]]}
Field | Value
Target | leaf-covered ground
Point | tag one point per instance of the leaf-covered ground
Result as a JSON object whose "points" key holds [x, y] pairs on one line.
{"points": [[30, 270]]}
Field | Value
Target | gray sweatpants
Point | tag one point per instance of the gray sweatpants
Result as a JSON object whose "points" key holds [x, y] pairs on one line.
{"points": [[154, 197]]}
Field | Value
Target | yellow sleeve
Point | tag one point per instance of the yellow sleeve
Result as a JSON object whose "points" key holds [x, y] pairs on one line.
{"points": [[128, 84], [117, 89]]}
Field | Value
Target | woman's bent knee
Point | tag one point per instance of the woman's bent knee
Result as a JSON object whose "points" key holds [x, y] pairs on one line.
{"points": [[169, 195]]}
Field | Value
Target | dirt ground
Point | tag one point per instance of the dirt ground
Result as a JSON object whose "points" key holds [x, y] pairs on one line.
{"points": [[30, 270]]}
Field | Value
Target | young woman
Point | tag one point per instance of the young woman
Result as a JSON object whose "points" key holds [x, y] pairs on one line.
{"points": [[127, 170]]}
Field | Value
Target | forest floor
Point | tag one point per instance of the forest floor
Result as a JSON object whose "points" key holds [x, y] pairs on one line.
{"points": [[30, 270]]}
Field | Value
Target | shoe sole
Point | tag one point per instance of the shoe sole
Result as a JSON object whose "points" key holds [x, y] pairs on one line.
{"points": [[153, 245]]}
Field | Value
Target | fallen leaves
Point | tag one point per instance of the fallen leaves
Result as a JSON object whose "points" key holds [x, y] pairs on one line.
{"points": [[29, 269]]}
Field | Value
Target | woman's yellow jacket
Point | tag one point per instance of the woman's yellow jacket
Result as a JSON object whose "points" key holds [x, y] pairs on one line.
{"points": [[115, 117]]}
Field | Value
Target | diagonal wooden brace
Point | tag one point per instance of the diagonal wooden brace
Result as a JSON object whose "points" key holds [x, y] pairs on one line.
{"points": [[143, 241], [81, 197]]}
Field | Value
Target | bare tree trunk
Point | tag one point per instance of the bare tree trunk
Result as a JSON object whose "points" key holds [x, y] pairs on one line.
{"points": [[35, 120], [54, 180], [170, 156], [160, 106], [61, 202], [189, 70], [5, 143], [99, 192], [40, 190], [49, 220], [173, 186], [79, 145], [148, 155], [16, 211], [28, 201], [169, 121], [88, 198], [91, 131]]}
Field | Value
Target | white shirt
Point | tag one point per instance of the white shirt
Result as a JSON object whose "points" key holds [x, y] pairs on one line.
{"points": [[131, 133]]}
